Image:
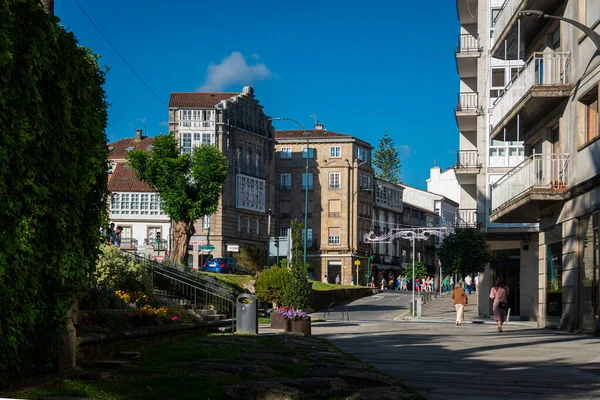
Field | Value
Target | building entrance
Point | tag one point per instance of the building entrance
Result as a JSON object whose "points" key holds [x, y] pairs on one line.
{"points": [[510, 269]]}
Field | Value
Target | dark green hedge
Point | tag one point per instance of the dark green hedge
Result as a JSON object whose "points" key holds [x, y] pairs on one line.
{"points": [[52, 181]]}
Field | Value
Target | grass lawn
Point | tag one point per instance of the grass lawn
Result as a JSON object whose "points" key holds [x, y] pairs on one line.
{"points": [[317, 285], [233, 279], [178, 370]]}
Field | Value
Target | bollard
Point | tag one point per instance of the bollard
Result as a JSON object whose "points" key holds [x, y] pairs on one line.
{"points": [[419, 307]]}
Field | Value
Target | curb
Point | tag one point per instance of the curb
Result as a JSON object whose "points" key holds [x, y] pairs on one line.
{"points": [[472, 322]]}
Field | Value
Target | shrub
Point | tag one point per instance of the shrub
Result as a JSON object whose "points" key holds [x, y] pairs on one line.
{"points": [[297, 292], [272, 283], [101, 297], [119, 271]]}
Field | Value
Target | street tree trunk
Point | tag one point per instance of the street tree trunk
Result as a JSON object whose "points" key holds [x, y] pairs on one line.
{"points": [[48, 6], [182, 232]]}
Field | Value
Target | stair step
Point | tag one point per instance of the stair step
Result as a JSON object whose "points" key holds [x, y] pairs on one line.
{"points": [[93, 375], [112, 363], [130, 355]]}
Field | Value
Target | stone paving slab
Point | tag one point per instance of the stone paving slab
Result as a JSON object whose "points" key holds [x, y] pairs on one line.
{"points": [[473, 362]]}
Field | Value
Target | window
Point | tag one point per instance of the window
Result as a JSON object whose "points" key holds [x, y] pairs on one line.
{"points": [[309, 234], [135, 204], [249, 227], [335, 208], [258, 226], [258, 165], [592, 12], [206, 222], [362, 154], [495, 12], [304, 181], [334, 235], [334, 180], [186, 143], [364, 182], [239, 223], [124, 203], [286, 181], [250, 193], [144, 204], [335, 152], [589, 131], [286, 152], [284, 232], [311, 152], [115, 204], [151, 234], [129, 148], [285, 207]]}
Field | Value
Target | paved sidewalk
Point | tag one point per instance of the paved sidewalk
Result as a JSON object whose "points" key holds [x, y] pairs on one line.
{"points": [[475, 362]]}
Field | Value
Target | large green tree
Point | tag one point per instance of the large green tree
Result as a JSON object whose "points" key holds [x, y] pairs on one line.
{"points": [[189, 184], [387, 161], [53, 182], [464, 252]]}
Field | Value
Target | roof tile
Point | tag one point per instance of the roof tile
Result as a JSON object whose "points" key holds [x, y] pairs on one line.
{"points": [[198, 99], [123, 180]]}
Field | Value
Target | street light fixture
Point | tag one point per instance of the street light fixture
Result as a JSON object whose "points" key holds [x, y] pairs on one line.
{"points": [[595, 37], [306, 197]]}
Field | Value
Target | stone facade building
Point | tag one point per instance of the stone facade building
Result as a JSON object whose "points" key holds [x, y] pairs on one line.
{"points": [[237, 124]]}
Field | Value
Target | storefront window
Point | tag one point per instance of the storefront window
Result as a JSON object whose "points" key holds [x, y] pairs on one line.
{"points": [[554, 287]]}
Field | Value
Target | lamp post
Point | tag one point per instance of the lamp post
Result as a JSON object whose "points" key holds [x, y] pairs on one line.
{"points": [[306, 196], [595, 37]]}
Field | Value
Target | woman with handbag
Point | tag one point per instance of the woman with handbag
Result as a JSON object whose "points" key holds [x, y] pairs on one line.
{"points": [[500, 307]]}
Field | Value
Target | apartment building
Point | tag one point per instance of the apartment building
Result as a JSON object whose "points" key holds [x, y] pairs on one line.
{"points": [[237, 124], [134, 205], [488, 151], [551, 105], [340, 197]]}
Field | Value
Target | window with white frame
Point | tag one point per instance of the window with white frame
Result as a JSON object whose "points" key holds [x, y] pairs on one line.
{"points": [[196, 118], [335, 152], [186, 143], [286, 181], [334, 236], [362, 154], [334, 180], [249, 227], [284, 232], [286, 152], [239, 223], [206, 222], [311, 152], [151, 232], [250, 193], [307, 181], [135, 204], [144, 204]]}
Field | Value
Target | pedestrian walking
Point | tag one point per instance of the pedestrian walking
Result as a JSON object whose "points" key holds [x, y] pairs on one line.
{"points": [[445, 284], [325, 279], [468, 282], [117, 236], [500, 306], [338, 280], [460, 301], [477, 283], [352, 280]]}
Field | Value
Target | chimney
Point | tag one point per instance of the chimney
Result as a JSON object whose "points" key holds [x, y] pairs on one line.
{"points": [[48, 6], [138, 134], [319, 127]]}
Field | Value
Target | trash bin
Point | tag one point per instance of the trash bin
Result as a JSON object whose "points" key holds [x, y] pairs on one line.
{"points": [[247, 314]]}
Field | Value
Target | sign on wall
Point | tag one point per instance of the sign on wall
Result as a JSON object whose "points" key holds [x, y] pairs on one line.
{"points": [[234, 248]]}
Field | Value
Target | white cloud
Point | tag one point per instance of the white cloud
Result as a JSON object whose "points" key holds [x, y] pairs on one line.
{"points": [[405, 151], [233, 69]]}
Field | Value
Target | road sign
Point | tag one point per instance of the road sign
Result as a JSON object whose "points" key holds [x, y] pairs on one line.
{"points": [[206, 247], [357, 262], [234, 248], [198, 240]]}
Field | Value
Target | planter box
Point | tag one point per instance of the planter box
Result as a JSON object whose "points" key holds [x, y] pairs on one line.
{"points": [[298, 327], [277, 321]]}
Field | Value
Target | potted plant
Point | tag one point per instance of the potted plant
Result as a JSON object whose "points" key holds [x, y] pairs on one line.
{"points": [[295, 320]]}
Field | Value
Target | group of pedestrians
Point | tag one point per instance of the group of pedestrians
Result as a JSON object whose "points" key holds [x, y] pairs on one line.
{"points": [[113, 235], [498, 294]]}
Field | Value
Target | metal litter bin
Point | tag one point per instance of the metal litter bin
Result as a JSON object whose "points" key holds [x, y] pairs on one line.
{"points": [[247, 314]]}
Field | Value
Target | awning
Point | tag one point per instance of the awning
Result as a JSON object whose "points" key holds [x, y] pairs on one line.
{"points": [[386, 266]]}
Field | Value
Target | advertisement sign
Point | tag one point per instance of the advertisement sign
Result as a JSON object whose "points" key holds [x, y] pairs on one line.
{"points": [[234, 248]]}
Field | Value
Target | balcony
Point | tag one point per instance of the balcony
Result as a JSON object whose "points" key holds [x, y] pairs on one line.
{"points": [[538, 182], [467, 53], [467, 163], [466, 218], [466, 111], [506, 156], [155, 245], [467, 11], [538, 88], [506, 27], [128, 244]]}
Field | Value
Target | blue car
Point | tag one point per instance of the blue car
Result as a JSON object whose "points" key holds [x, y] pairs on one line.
{"points": [[223, 265]]}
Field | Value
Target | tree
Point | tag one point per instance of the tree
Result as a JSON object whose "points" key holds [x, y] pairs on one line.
{"points": [[386, 160], [189, 184], [464, 252], [420, 271], [53, 182], [271, 284], [296, 231], [297, 292]]}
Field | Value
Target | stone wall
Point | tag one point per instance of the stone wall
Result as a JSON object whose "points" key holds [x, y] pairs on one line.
{"points": [[321, 299]]}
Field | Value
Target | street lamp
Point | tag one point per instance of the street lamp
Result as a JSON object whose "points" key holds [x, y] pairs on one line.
{"points": [[306, 197], [595, 37]]}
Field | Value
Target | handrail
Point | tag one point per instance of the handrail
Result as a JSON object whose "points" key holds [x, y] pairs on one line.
{"points": [[185, 286]]}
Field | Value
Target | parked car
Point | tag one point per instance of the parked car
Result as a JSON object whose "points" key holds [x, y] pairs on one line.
{"points": [[224, 265]]}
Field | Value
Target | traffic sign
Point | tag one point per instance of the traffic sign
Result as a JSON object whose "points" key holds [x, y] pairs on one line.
{"points": [[357, 262], [206, 247]]}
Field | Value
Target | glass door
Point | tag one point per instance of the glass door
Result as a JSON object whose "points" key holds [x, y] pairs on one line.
{"points": [[554, 287]]}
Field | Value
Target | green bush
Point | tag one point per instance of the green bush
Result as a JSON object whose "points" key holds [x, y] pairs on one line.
{"points": [[271, 284], [99, 298], [297, 292], [120, 271]]}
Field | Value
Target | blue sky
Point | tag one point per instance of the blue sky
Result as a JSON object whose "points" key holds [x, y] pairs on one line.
{"points": [[361, 67]]}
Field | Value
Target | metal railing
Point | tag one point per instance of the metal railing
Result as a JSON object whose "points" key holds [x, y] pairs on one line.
{"points": [[154, 243], [544, 171], [178, 283], [467, 101], [467, 159], [509, 8], [466, 218], [506, 155], [129, 243], [467, 43], [542, 69]]}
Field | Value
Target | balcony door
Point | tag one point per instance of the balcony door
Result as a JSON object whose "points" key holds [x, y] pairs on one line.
{"points": [[557, 179]]}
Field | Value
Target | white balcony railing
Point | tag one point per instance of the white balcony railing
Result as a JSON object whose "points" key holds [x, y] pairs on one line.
{"points": [[467, 101], [467, 43], [543, 171], [466, 218], [542, 69], [197, 124], [467, 159], [506, 156], [509, 8]]}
